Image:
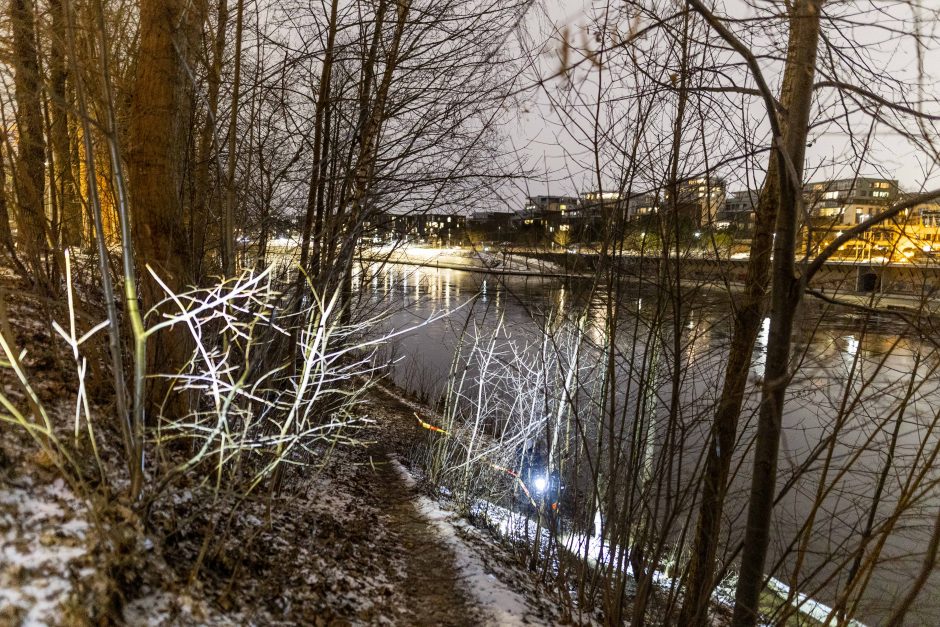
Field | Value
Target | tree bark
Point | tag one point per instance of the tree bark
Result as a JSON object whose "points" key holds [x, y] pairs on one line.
{"points": [[159, 113], [6, 234], [786, 292], [795, 97], [199, 223], [311, 231], [71, 221], [370, 134], [32, 229], [228, 224], [154, 154]]}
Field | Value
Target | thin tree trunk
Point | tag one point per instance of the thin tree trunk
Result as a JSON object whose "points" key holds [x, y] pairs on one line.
{"points": [[786, 292], [308, 236], [796, 94], [362, 181], [129, 429], [6, 234], [206, 150], [228, 226], [32, 229], [63, 182]]}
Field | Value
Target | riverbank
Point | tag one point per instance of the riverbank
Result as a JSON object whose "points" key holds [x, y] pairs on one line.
{"points": [[352, 541], [514, 527], [347, 538], [469, 260], [508, 264]]}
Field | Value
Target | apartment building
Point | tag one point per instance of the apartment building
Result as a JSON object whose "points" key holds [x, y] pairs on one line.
{"points": [[845, 202]]}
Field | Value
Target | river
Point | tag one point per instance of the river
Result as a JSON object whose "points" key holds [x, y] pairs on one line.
{"points": [[887, 368]]}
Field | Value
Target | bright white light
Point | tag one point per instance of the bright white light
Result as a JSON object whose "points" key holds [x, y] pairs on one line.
{"points": [[851, 345], [540, 483]]}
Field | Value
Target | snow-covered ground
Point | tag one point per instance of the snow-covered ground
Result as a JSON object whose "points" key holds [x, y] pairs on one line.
{"points": [[43, 540], [515, 526], [503, 605]]}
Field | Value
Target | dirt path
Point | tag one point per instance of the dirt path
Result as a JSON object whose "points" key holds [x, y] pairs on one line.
{"points": [[354, 542], [434, 594]]}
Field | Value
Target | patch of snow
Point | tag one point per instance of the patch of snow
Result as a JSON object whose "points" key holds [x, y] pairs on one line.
{"points": [[808, 606], [504, 606], [44, 534], [40, 598], [163, 609], [512, 524]]}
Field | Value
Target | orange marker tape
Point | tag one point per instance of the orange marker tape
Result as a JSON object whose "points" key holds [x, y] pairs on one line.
{"points": [[429, 426]]}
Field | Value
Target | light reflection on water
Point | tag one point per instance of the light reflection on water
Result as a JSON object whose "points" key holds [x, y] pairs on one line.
{"points": [[833, 349]]}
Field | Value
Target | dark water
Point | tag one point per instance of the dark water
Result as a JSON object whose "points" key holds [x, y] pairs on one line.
{"points": [[836, 350]]}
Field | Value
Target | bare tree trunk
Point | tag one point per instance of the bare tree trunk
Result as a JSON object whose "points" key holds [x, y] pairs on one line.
{"points": [[154, 154], [309, 235], [199, 223], [370, 133], [228, 225], [795, 98], [786, 292], [52, 202], [70, 206], [156, 130], [6, 234], [32, 230]]}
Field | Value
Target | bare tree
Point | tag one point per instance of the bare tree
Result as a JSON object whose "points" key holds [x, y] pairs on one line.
{"points": [[30, 176], [157, 131]]}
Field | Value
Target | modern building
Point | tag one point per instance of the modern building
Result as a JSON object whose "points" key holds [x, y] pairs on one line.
{"points": [[494, 226], [643, 205], [439, 229], [699, 199], [601, 210], [552, 220], [739, 210], [918, 229], [542, 205], [836, 205], [845, 202], [703, 198]]}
